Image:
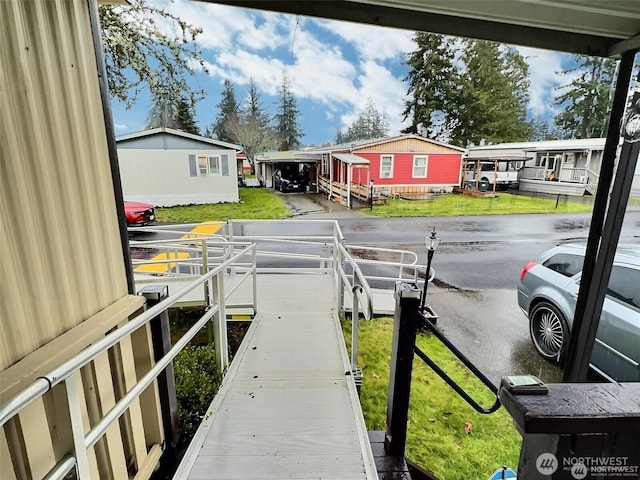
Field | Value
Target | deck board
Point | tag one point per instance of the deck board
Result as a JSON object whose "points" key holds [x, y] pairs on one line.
{"points": [[286, 409]]}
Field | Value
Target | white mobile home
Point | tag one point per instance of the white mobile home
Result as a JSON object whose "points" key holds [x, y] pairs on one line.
{"points": [[168, 167], [569, 167]]}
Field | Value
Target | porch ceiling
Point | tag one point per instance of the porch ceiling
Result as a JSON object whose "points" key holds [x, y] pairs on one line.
{"points": [[590, 27]]}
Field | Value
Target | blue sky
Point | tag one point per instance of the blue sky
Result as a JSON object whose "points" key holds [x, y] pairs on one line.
{"points": [[333, 67]]}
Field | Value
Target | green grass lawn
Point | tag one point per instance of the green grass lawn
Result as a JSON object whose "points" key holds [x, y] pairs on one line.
{"points": [[436, 438], [263, 203], [256, 203], [455, 204]]}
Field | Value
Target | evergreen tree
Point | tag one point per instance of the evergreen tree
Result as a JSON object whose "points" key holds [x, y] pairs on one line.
{"points": [[166, 113], [227, 108], [433, 82], [541, 129], [139, 54], [493, 95], [253, 108], [286, 117], [586, 100], [370, 123], [185, 117], [162, 113]]}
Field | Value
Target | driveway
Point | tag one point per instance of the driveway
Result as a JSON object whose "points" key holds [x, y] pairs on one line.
{"points": [[316, 206]]}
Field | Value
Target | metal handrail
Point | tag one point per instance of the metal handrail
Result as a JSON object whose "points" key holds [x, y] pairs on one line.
{"points": [[364, 293], [468, 363], [46, 382]]}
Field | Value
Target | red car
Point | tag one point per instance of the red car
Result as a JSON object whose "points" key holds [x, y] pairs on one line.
{"points": [[139, 213]]}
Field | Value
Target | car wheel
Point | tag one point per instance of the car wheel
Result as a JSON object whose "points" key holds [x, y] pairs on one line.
{"points": [[549, 331]]}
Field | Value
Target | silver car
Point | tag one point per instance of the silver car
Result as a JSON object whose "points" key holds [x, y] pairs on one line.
{"points": [[547, 294]]}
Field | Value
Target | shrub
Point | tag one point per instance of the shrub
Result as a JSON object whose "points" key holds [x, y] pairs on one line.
{"points": [[197, 381]]}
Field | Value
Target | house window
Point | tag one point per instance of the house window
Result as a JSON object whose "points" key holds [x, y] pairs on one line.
{"points": [[547, 162], [386, 166], [420, 166], [208, 165], [569, 160]]}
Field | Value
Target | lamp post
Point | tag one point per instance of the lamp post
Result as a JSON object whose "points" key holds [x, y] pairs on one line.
{"points": [[371, 195], [432, 242]]}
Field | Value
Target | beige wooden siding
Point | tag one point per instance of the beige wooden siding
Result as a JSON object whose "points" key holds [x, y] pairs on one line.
{"points": [[61, 255], [407, 145], [62, 276]]}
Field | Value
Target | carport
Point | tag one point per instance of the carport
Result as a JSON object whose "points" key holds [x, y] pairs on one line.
{"points": [[268, 163]]}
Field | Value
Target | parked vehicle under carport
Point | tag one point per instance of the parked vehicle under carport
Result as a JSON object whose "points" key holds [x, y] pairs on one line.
{"points": [[288, 181]]}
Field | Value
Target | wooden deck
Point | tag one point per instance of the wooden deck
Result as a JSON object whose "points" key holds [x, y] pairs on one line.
{"points": [[286, 409]]}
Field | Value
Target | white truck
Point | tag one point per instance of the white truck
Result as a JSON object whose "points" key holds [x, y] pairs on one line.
{"points": [[483, 174]]}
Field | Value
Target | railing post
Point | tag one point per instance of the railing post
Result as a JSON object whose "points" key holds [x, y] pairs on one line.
{"points": [[219, 321], [254, 257], [339, 260], [355, 321], [405, 324], [161, 339], [73, 387], [205, 269]]}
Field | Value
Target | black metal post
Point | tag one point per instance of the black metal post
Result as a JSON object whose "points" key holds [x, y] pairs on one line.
{"points": [[161, 339], [371, 195], [405, 324], [432, 242], [426, 279]]}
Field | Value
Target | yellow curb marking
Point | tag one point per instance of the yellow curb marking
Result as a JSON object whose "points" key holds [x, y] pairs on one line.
{"points": [[164, 265]]}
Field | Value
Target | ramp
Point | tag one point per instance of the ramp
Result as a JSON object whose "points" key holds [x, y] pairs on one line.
{"points": [[288, 407]]}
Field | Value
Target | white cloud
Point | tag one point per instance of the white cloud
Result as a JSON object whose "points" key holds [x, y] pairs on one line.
{"points": [[371, 42], [386, 91], [121, 127], [543, 68], [332, 66]]}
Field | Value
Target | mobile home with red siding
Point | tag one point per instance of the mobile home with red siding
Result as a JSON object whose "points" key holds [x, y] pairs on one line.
{"points": [[407, 166]]}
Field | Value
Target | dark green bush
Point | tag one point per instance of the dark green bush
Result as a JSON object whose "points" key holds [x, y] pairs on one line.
{"points": [[197, 381]]}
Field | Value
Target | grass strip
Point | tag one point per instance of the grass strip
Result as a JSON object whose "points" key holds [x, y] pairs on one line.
{"points": [[456, 204], [255, 203], [436, 437]]}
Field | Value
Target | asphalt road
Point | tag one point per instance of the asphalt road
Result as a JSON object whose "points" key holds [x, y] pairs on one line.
{"points": [[477, 266]]}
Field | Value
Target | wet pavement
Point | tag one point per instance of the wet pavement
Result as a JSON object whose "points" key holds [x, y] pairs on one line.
{"points": [[477, 266], [316, 206]]}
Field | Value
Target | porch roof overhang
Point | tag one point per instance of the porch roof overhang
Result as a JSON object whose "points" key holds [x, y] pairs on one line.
{"points": [[351, 159], [587, 27]]}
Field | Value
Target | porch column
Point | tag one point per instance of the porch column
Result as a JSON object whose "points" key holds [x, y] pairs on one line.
{"points": [[349, 178], [606, 223], [330, 176]]}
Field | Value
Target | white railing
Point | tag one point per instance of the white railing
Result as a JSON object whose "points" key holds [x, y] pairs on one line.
{"points": [[211, 261], [69, 372], [571, 175]]}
